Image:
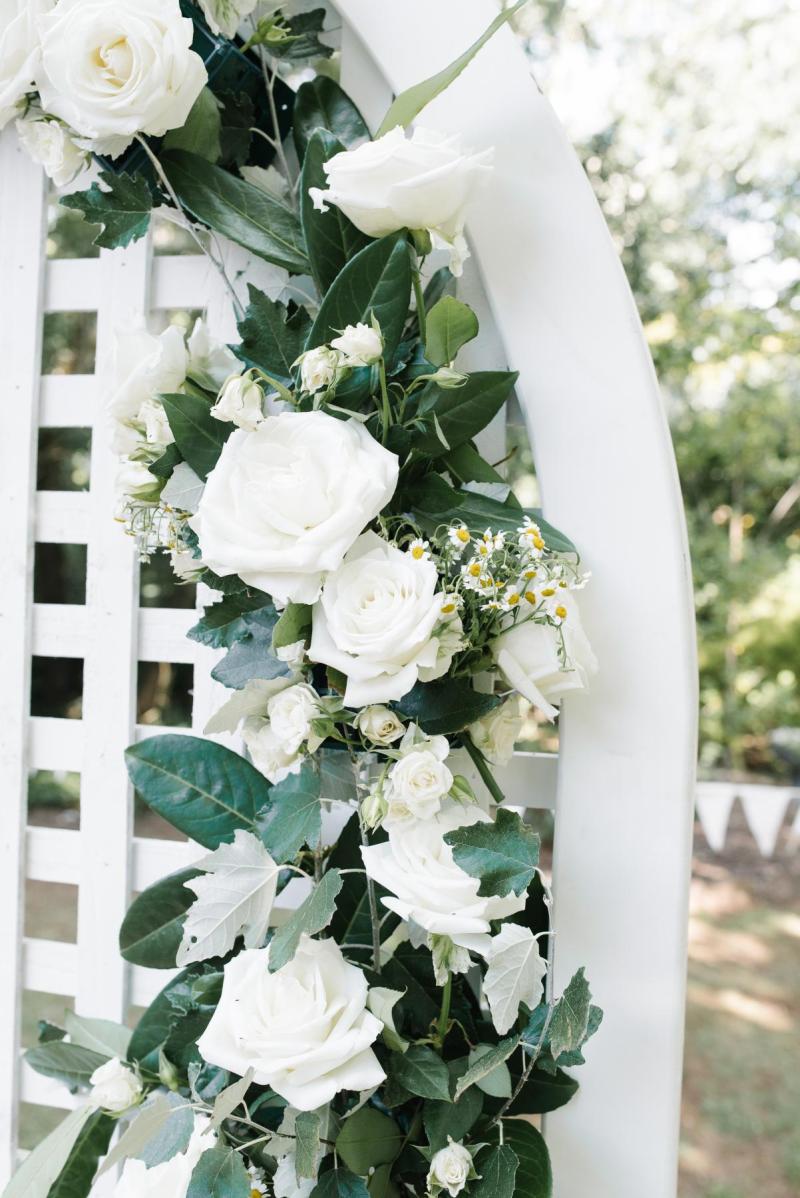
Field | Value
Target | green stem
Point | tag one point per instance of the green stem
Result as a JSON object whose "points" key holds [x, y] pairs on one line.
{"points": [[482, 767], [444, 1014], [386, 411], [420, 298]]}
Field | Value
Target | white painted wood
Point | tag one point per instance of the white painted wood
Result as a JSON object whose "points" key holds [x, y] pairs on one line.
{"points": [[21, 271], [605, 464]]}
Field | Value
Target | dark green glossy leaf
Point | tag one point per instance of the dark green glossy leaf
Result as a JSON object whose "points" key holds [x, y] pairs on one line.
{"points": [[534, 1175], [238, 210], [462, 412], [497, 1169], [164, 466], [220, 1173], [443, 1119], [544, 1092], [340, 1183], [293, 817], [331, 239], [314, 914], [272, 335], [69, 1063], [434, 502], [197, 434], [322, 104], [237, 120], [303, 41], [503, 854], [152, 929], [376, 282], [168, 1008], [467, 466], [368, 1139], [422, 1071], [75, 1179], [201, 788], [122, 205], [200, 133], [442, 707], [450, 324]]}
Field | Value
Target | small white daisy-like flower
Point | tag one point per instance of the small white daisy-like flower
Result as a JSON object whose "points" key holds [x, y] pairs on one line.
{"points": [[459, 537], [511, 598], [530, 537], [451, 604], [471, 573], [419, 549], [257, 1181], [556, 609]]}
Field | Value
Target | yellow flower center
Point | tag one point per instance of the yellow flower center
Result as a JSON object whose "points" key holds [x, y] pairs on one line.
{"points": [[513, 599], [417, 552], [561, 612], [447, 608], [531, 597], [548, 591], [463, 535], [474, 569]]}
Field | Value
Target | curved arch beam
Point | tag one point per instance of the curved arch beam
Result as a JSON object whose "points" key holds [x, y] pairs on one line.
{"points": [[605, 462]]}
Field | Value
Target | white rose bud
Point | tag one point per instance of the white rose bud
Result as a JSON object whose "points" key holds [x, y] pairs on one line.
{"points": [[225, 16], [240, 402], [318, 369], [417, 785], [115, 1087], [49, 144], [267, 751], [496, 733], [291, 713], [374, 809], [359, 344], [451, 1169], [111, 71], [379, 725]]}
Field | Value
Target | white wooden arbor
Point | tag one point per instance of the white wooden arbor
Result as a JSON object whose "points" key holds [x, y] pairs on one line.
{"points": [[556, 306]]}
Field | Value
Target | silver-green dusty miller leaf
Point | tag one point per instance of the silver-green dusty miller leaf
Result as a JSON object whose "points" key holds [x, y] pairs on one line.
{"points": [[234, 897], [514, 976]]}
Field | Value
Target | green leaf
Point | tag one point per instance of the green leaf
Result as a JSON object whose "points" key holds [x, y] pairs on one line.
{"points": [[238, 210], [553, 537], [147, 1124], [450, 324], [422, 1072], [467, 466], [543, 1092], [169, 1008], [340, 1183], [463, 411], [220, 1173], [380, 1184], [152, 929], [42, 1167], [171, 1136], [200, 134], [434, 502], [368, 1139], [497, 1083], [294, 625], [201, 788], [69, 1063], [504, 854], [303, 42], [443, 1119], [222, 624], [534, 1175], [164, 466], [306, 1144], [443, 707], [310, 917], [273, 337], [122, 206], [497, 1168], [197, 434], [331, 239], [237, 118], [252, 657], [76, 1177], [101, 1035], [377, 282], [322, 104], [411, 102], [486, 1064], [293, 817], [46, 1032], [571, 1016], [230, 1098]]}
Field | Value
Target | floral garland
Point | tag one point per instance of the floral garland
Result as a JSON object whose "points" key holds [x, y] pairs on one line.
{"points": [[388, 613]]}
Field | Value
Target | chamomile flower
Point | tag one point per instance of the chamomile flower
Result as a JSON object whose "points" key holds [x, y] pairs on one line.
{"points": [[419, 549], [471, 573], [511, 599], [530, 537], [451, 604], [257, 1182], [556, 608], [459, 537]]}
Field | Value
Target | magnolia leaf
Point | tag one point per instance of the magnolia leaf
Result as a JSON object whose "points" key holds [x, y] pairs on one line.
{"points": [[197, 434], [497, 1170], [101, 1035], [534, 1174], [184, 489], [571, 1016], [411, 102], [310, 917], [306, 1144], [76, 1177], [368, 1139], [220, 1173], [322, 104], [462, 412], [69, 1063], [443, 1119], [234, 898], [422, 1071], [200, 133], [496, 1083], [503, 854], [152, 929], [485, 1063], [450, 324], [42, 1167], [229, 1099], [122, 206], [514, 976], [442, 707]]}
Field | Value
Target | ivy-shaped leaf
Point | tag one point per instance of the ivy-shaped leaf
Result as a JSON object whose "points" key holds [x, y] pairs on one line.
{"points": [[571, 1016], [272, 335], [503, 854], [122, 205], [310, 917]]}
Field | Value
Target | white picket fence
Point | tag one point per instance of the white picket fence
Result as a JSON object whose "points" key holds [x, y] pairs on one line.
{"points": [[622, 788]]}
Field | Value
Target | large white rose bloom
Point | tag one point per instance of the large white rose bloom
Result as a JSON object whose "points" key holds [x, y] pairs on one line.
{"points": [[285, 502], [428, 888], [395, 182], [19, 52], [305, 1030], [115, 68], [144, 367], [528, 657], [171, 1178], [377, 622]]}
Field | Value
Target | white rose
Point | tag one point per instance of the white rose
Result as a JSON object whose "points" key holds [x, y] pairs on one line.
{"points": [[375, 621], [318, 368], [291, 712], [496, 733], [153, 418], [421, 182], [144, 367], [171, 1178], [427, 887], [225, 16], [210, 363], [19, 51], [305, 1030], [267, 752], [450, 1170], [359, 344], [379, 724], [115, 1086], [529, 657], [240, 402], [112, 70], [284, 503], [418, 782], [285, 1183], [49, 143]]}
